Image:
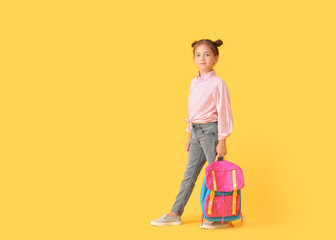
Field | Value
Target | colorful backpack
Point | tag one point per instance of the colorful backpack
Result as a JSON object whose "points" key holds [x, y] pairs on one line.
{"points": [[221, 192]]}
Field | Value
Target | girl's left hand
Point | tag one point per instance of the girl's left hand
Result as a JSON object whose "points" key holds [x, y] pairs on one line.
{"points": [[221, 148]]}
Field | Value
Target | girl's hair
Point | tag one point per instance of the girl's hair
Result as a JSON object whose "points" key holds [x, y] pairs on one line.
{"points": [[212, 45]]}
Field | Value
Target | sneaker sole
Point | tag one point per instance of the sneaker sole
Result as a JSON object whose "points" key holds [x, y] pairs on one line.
{"points": [[165, 224], [215, 226]]}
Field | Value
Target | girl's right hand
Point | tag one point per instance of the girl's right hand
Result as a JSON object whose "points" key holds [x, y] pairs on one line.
{"points": [[188, 142]]}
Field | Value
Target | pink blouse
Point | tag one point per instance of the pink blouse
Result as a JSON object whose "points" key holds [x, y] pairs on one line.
{"points": [[209, 101]]}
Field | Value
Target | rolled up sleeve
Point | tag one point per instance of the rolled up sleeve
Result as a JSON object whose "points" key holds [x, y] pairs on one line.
{"points": [[223, 105]]}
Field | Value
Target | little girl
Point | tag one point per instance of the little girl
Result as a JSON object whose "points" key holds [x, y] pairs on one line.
{"points": [[209, 121]]}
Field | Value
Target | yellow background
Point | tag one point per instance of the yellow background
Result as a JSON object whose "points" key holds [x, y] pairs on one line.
{"points": [[93, 101]]}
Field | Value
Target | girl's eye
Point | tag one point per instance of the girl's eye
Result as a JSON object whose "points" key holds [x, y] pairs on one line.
{"points": [[208, 55]]}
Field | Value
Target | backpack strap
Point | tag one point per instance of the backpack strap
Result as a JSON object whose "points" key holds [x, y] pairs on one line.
{"points": [[212, 195], [234, 194], [214, 180], [203, 214], [241, 221]]}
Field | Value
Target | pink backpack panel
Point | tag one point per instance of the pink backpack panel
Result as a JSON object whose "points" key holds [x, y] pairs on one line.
{"points": [[221, 172]]}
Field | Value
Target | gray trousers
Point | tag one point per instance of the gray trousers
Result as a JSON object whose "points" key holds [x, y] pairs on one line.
{"points": [[202, 148]]}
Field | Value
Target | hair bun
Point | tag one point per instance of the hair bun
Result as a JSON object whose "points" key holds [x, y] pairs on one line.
{"points": [[193, 44], [218, 42]]}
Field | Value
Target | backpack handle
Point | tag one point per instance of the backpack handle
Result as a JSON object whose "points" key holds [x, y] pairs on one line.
{"points": [[220, 158]]}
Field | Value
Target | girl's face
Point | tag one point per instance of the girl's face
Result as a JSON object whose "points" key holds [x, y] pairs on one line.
{"points": [[204, 58]]}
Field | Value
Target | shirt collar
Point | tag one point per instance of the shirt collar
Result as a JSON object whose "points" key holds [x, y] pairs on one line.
{"points": [[206, 75]]}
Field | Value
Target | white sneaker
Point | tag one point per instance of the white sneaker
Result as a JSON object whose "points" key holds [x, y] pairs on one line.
{"points": [[214, 225], [166, 220]]}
